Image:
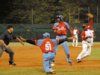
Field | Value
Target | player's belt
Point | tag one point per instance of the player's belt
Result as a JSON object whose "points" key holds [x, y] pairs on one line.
{"points": [[62, 35], [48, 52]]}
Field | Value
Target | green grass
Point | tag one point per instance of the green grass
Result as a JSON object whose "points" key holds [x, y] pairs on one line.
{"points": [[95, 55], [21, 71], [38, 71]]}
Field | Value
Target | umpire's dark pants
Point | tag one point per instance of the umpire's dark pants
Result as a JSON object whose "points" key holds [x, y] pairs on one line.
{"points": [[9, 51]]}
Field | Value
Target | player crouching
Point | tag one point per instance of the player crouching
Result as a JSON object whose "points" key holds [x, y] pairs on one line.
{"points": [[47, 46]]}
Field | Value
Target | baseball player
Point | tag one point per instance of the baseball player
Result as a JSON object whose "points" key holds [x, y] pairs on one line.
{"points": [[47, 46], [75, 34], [86, 43], [61, 29], [90, 23], [5, 38]]}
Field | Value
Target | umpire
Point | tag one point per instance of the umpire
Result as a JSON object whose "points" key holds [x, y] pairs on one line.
{"points": [[5, 38]]}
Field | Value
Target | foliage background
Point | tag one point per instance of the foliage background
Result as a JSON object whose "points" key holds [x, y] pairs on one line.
{"points": [[41, 11]]}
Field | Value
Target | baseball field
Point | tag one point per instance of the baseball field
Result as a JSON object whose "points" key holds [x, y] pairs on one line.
{"points": [[30, 62]]}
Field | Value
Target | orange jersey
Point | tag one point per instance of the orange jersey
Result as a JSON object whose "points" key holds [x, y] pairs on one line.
{"points": [[61, 29], [47, 45]]}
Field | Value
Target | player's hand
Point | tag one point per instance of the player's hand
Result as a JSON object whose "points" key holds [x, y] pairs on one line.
{"points": [[22, 39], [19, 39], [22, 42], [3, 44]]}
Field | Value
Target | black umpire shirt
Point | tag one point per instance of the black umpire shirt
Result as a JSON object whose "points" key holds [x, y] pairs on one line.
{"points": [[7, 37]]}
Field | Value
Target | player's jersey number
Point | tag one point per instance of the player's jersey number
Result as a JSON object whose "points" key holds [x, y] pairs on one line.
{"points": [[48, 46]]}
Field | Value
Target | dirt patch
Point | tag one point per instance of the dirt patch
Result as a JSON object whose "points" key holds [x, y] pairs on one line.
{"points": [[31, 56]]}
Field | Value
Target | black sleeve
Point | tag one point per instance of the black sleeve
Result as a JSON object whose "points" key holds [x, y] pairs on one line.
{"points": [[62, 40], [31, 42]]}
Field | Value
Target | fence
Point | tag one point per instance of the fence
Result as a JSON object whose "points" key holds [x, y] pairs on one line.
{"points": [[36, 30]]}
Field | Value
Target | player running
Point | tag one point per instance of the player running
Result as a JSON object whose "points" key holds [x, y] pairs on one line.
{"points": [[47, 46], [61, 29], [86, 43], [90, 23], [5, 38], [75, 34]]}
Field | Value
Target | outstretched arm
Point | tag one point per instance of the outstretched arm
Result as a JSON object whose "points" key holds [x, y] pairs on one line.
{"points": [[18, 39], [31, 41], [66, 39], [28, 40]]}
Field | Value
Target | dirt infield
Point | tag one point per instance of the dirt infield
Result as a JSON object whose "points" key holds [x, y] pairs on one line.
{"points": [[31, 56]]}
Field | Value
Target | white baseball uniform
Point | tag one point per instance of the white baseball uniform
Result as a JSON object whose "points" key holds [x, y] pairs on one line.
{"points": [[75, 41], [92, 38], [86, 44]]}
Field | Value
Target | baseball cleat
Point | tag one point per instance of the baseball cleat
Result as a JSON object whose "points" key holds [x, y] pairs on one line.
{"points": [[12, 63], [50, 72], [69, 61], [79, 60]]}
